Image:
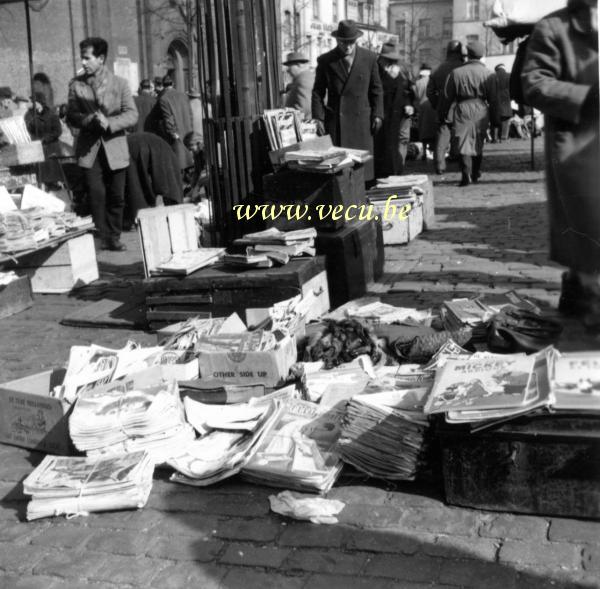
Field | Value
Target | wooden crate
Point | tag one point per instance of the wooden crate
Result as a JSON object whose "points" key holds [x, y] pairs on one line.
{"points": [[61, 269], [165, 231], [15, 297]]}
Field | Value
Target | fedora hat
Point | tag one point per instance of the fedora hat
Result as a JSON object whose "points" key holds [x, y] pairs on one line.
{"points": [[295, 57], [475, 49], [347, 31], [390, 51], [193, 92]]}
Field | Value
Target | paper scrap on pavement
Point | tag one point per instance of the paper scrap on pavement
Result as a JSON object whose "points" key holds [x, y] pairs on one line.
{"points": [[314, 509]]}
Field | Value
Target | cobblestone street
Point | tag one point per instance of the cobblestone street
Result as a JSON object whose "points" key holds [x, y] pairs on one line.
{"points": [[487, 237]]}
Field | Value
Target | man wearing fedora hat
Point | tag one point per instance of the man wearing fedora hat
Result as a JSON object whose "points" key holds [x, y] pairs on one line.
{"points": [[298, 92], [349, 76], [472, 87], [391, 142]]}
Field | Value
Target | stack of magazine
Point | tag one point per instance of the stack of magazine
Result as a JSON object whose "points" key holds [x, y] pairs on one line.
{"points": [[385, 432], [230, 434], [78, 486], [299, 453], [121, 417], [186, 262], [283, 127]]}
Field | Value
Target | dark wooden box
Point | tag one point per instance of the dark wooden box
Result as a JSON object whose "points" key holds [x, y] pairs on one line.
{"points": [[293, 187], [15, 297], [542, 465], [220, 290], [355, 257]]}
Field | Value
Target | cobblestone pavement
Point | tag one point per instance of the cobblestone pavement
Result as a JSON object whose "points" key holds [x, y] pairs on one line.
{"points": [[487, 237]]}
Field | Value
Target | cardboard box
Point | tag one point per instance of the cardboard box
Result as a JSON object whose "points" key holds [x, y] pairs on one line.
{"points": [[15, 297], [31, 418], [20, 154], [72, 264], [269, 368]]}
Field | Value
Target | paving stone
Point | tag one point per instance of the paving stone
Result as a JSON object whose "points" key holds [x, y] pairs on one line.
{"points": [[551, 555], [28, 582], [476, 575], [249, 555], [249, 579], [481, 549], [202, 550], [369, 516], [191, 574], [591, 559], [128, 543], [520, 527], [20, 532], [358, 494], [185, 524], [251, 530], [325, 561], [405, 542], [129, 570], [460, 522], [238, 505], [572, 530], [418, 568], [70, 565], [313, 535], [64, 536], [321, 581]]}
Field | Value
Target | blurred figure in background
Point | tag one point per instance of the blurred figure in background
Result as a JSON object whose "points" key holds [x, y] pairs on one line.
{"points": [[298, 91], [41, 83], [144, 102], [444, 138], [391, 141], [560, 78], [426, 114], [500, 131]]}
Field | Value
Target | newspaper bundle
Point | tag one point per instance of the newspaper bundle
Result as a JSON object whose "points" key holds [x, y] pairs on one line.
{"points": [[78, 486]]}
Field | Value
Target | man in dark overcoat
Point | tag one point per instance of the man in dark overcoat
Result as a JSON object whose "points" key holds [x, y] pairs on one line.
{"points": [[500, 133], [349, 76], [560, 78], [176, 121], [472, 89], [435, 90], [391, 141], [144, 102]]}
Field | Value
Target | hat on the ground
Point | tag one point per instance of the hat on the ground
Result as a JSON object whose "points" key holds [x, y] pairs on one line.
{"points": [[453, 47], [475, 49], [390, 51], [193, 92], [295, 57], [347, 31], [5, 92]]}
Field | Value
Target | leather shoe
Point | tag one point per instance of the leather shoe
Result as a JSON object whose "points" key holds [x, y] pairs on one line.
{"points": [[475, 178], [466, 180], [113, 245]]}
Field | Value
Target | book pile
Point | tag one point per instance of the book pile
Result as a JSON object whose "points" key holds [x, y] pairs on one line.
{"points": [[325, 159], [121, 417], [384, 430], [78, 486], [16, 233], [186, 262], [299, 453], [459, 313], [272, 246], [575, 382], [230, 434], [283, 127]]}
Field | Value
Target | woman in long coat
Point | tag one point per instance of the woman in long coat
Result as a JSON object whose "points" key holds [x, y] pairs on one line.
{"points": [[427, 118], [472, 87], [560, 78]]}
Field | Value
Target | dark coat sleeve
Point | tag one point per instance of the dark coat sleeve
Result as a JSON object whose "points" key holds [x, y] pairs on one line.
{"points": [[375, 92], [318, 92]]}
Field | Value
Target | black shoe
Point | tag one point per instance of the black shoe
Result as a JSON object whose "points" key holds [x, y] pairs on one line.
{"points": [[439, 171], [475, 178], [466, 180], [113, 245]]}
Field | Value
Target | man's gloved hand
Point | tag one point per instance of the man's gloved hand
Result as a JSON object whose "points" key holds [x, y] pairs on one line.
{"points": [[376, 124], [320, 127], [409, 110]]}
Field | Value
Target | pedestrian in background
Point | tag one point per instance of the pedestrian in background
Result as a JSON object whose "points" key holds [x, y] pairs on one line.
{"points": [[444, 137], [144, 102], [348, 76], [391, 141], [102, 107], [299, 90], [175, 121], [500, 132], [472, 87], [41, 83], [560, 78], [426, 115], [158, 86]]}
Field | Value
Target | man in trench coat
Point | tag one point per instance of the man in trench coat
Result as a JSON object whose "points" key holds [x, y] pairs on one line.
{"points": [[349, 76], [472, 88], [560, 78]]}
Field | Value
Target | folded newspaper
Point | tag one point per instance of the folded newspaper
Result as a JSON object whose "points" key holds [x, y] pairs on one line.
{"points": [[78, 486]]}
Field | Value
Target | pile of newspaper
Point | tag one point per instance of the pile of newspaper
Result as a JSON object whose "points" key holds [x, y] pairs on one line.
{"points": [[299, 453], [78, 486], [272, 246], [325, 159], [283, 127], [131, 415], [185, 262], [384, 430], [230, 434]]}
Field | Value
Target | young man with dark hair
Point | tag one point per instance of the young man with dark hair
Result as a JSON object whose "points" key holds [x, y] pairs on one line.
{"points": [[102, 107]]}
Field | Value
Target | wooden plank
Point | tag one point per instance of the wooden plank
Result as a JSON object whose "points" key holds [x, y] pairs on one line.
{"points": [[109, 313], [169, 299]]}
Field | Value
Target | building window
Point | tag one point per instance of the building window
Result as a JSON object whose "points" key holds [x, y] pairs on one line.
{"points": [[361, 12], [334, 11], [316, 14], [424, 28], [401, 31], [447, 27], [472, 38], [472, 9], [425, 56]]}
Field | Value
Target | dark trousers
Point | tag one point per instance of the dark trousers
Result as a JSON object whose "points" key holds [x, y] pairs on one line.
{"points": [[106, 194], [471, 166]]}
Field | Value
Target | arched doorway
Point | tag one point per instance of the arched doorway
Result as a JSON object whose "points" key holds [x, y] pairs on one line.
{"points": [[178, 64]]}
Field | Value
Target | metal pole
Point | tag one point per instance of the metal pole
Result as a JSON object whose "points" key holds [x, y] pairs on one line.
{"points": [[30, 56], [73, 53], [532, 139]]}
